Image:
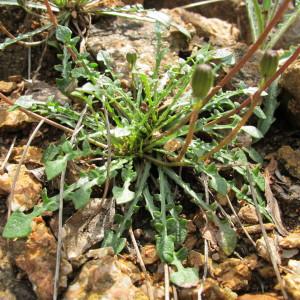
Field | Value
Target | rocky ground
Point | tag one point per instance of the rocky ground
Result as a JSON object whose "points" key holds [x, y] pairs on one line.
{"points": [[27, 265]]}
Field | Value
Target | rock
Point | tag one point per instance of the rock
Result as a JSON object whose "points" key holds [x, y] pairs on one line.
{"points": [[233, 273], [27, 191], [7, 87], [211, 291], [41, 91], [149, 254], [291, 241], [291, 37], [291, 160], [104, 278], [266, 272], [190, 241], [7, 295], [12, 120], [290, 81], [248, 214], [197, 260], [292, 285], [263, 252], [294, 265], [212, 30], [118, 36], [38, 260], [34, 155]]}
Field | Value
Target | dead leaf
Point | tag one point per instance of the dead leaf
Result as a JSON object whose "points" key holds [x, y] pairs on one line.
{"points": [[87, 227], [263, 252], [272, 206]]}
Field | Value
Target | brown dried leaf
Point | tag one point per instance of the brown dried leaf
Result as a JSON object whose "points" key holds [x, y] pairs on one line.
{"points": [[272, 206], [87, 227]]}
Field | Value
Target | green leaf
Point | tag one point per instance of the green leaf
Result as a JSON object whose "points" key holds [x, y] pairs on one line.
{"points": [[54, 168], [185, 278], [165, 248], [63, 34], [19, 224], [252, 131], [123, 194], [227, 237], [80, 197], [219, 184]]}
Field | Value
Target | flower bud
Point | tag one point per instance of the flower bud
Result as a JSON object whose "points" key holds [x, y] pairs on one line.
{"points": [[269, 64], [131, 57], [202, 81]]}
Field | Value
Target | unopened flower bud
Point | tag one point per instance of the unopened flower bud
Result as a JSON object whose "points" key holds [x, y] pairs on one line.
{"points": [[131, 57], [269, 63], [202, 81]]}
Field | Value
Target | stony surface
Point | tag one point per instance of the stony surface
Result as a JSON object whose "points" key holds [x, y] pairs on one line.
{"points": [[27, 191], [212, 30], [38, 261], [104, 278], [13, 120], [290, 81], [291, 241], [291, 160], [149, 254], [248, 214], [34, 155], [6, 87], [233, 273]]}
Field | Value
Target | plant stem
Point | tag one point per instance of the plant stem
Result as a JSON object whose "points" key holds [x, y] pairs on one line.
{"points": [[253, 100], [237, 67]]}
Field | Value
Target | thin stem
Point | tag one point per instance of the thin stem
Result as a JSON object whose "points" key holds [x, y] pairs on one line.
{"points": [[50, 122], [18, 169], [237, 67], [3, 165], [60, 211], [142, 265], [253, 99], [266, 238]]}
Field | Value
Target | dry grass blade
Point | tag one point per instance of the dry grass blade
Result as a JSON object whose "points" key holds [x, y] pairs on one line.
{"points": [[142, 265], [167, 282], [265, 236], [200, 3], [16, 177], [3, 165], [272, 206], [60, 211], [206, 253], [239, 221]]}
